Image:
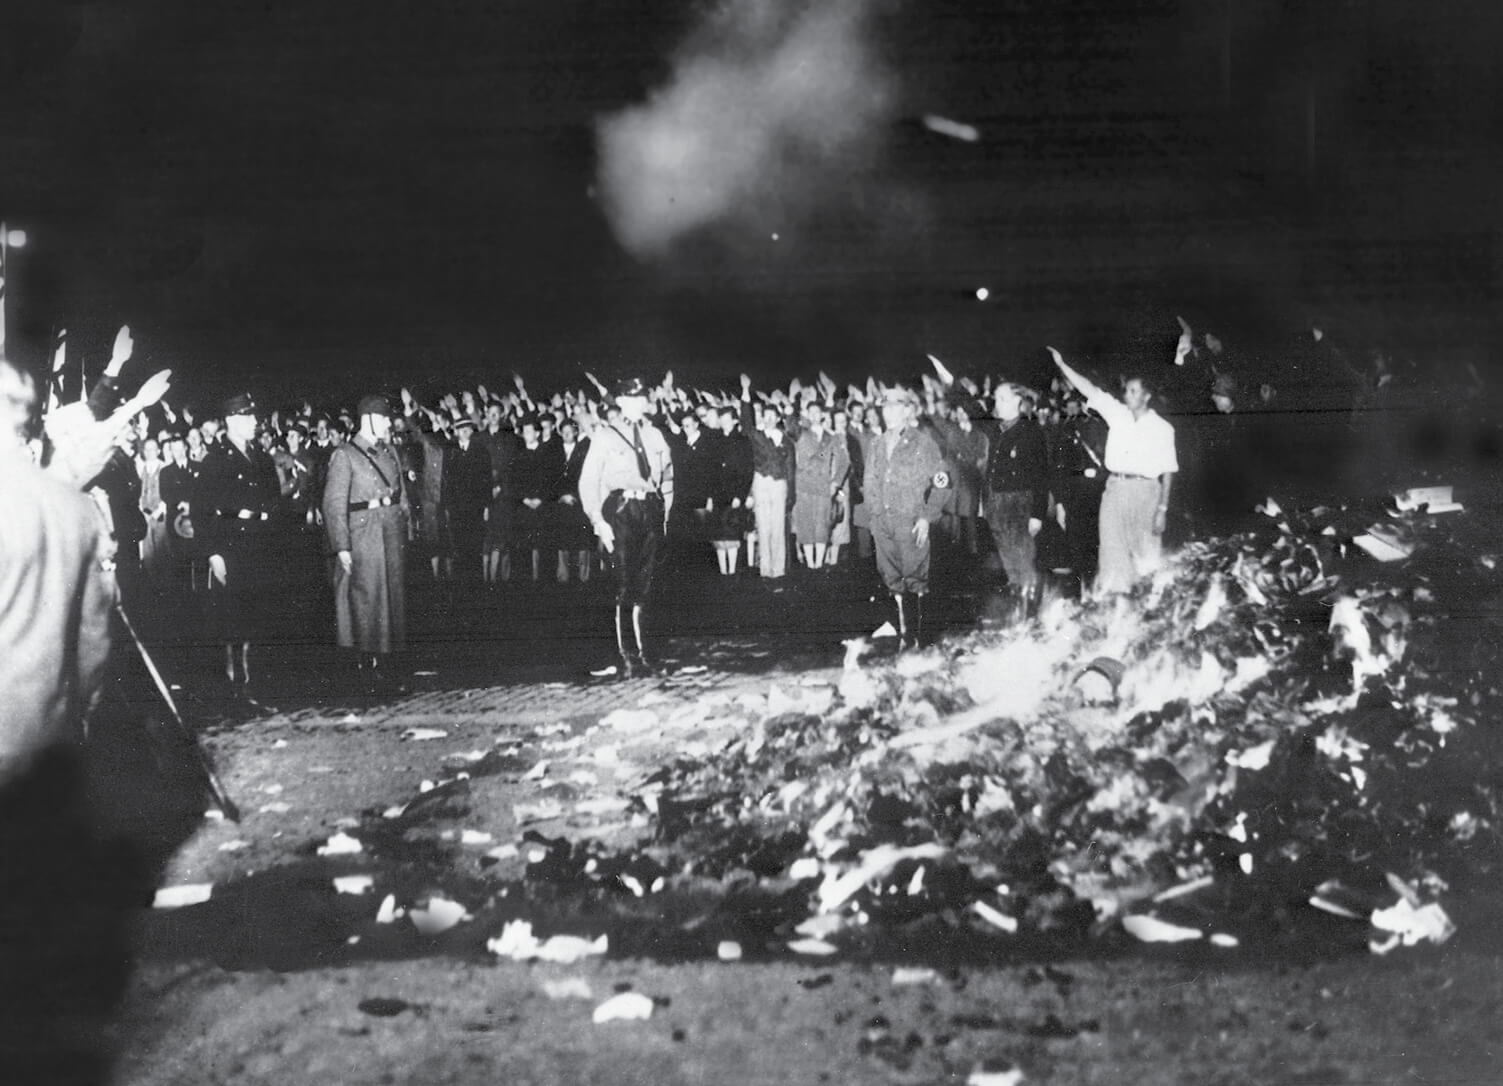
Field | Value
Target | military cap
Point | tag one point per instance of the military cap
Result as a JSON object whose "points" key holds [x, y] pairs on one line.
{"points": [[374, 405], [238, 404], [630, 386]]}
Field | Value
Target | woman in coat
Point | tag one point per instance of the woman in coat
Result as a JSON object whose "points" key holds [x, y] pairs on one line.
{"points": [[822, 463], [732, 494]]}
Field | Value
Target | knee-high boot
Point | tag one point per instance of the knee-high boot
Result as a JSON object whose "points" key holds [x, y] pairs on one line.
{"points": [[901, 599], [627, 666], [637, 617], [916, 622]]}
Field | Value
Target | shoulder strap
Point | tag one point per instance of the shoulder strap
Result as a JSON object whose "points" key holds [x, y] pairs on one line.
{"points": [[632, 446], [372, 461]]}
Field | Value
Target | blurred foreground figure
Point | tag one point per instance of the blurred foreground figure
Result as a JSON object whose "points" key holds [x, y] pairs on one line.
{"points": [[626, 489], [366, 514], [61, 923], [905, 486], [56, 590]]}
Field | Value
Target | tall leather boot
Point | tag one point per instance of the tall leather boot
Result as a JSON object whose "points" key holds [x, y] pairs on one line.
{"points": [[627, 667], [916, 623], [646, 665], [901, 599]]}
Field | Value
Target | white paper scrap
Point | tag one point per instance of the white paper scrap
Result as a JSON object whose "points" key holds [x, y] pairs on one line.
{"points": [[817, 948], [995, 917], [567, 988], [1411, 925], [388, 910], [438, 916], [905, 975], [1011, 1077], [630, 720], [174, 897], [805, 867], [517, 942], [341, 844], [1150, 929], [626, 1007]]}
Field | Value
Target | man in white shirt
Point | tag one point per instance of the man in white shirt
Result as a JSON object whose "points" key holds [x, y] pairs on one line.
{"points": [[626, 489], [1141, 464]]}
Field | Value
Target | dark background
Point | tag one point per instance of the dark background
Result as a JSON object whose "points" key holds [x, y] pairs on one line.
{"points": [[313, 198]]}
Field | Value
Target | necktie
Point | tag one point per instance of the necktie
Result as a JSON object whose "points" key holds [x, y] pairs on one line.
{"points": [[636, 443]]}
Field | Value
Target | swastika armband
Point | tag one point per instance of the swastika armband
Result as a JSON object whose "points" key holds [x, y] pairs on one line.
{"points": [[941, 480]]}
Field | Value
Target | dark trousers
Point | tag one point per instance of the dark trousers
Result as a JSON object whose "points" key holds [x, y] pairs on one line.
{"points": [[1081, 498], [638, 525]]}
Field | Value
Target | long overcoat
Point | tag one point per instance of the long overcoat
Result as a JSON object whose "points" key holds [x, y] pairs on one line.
{"points": [[370, 602], [822, 463], [236, 511]]}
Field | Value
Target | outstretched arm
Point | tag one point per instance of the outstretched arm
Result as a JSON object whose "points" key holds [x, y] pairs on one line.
{"points": [[1075, 377]]}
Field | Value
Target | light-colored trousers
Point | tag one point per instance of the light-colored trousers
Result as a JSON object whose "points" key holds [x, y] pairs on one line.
{"points": [[770, 506], [1130, 548]]}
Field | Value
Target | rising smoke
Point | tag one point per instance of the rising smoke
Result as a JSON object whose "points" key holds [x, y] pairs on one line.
{"points": [[775, 108]]}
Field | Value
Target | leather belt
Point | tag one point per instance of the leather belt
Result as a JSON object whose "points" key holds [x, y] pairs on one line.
{"points": [[635, 495], [1131, 475], [374, 503]]}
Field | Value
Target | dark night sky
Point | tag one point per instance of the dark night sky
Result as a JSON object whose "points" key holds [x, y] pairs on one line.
{"points": [[323, 195]]}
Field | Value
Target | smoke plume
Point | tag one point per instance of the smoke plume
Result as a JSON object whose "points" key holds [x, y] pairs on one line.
{"points": [[774, 109]]}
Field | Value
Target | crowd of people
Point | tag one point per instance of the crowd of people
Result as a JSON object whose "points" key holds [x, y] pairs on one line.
{"points": [[1067, 484], [117, 504]]}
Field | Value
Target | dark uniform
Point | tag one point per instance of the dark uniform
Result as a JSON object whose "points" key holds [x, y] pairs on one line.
{"points": [[537, 473], [575, 533], [500, 527], [733, 482], [366, 513], [432, 537], [1079, 479], [906, 480], [179, 485], [121, 484], [234, 517], [1017, 491], [466, 497], [694, 476], [627, 484]]}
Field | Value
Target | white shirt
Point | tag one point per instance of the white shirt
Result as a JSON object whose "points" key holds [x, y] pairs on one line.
{"points": [[1135, 446]]}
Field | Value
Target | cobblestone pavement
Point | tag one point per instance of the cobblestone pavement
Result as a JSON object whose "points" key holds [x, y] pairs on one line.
{"points": [[518, 703], [735, 665]]}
